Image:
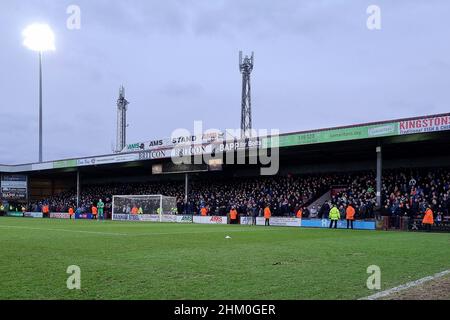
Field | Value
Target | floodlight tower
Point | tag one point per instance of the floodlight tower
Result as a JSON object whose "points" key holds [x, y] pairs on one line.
{"points": [[122, 103], [246, 67], [39, 37]]}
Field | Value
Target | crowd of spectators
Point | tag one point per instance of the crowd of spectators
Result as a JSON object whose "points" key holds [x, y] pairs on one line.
{"points": [[409, 193], [405, 192], [283, 194]]}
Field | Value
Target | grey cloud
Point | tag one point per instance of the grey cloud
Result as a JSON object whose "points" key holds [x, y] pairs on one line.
{"points": [[181, 90]]}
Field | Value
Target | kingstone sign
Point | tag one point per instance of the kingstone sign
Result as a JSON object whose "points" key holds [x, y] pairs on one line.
{"points": [[425, 125]]}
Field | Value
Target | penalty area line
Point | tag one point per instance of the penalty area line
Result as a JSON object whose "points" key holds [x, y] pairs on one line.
{"points": [[197, 232], [405, 286], [65, 230], [132, 234]]}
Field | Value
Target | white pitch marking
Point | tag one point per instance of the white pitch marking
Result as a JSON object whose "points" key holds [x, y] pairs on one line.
{"points": [[201, 232], [67, 230], [406, 286], [135, 234]]}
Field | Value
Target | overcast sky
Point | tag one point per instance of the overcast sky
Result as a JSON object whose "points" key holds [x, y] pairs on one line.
{"points": [[316, 65]]}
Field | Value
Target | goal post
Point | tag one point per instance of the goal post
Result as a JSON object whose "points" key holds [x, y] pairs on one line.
{"points": [[124, 206]]}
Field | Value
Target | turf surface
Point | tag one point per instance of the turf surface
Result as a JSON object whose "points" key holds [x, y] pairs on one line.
{"points": [[132, 260]]}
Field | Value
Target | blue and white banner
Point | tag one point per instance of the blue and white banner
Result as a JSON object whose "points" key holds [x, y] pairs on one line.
{"points": [[120, 216], [342, 224], [83, 215], [33, 214]]}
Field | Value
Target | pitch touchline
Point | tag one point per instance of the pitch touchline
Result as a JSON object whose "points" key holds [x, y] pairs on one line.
{"points": [[195, 232], [406, 286]]}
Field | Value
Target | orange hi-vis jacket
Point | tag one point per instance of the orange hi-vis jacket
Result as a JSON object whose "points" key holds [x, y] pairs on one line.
{"points": [[428, 218], [45, 209], [203, 211], [233, 214], [134, 210], [350, 213], [94, 210], [267, 213], [299, 213], [71, 211]]}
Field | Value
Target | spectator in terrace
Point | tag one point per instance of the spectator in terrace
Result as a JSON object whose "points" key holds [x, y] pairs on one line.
{"points": [[439, 219], [313, 212], [324, 209], [299, 213], [306, 212], [341, 210]]}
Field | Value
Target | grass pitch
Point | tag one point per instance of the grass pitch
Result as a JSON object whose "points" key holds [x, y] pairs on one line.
{"points": [[135, 260]]}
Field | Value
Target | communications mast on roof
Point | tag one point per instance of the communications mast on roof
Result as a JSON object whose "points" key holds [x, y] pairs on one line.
{"points": [[246, 67], [122, 103]]}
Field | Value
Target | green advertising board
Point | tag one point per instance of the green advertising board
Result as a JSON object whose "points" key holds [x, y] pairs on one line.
{"points": [[64, 164], [333, 135], [14, 214]]}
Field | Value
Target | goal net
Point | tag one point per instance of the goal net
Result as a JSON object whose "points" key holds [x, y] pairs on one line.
{"points": [[143, 207]]}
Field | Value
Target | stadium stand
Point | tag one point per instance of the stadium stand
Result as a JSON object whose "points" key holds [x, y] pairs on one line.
{"points": [[406, 192], [391, 169]]}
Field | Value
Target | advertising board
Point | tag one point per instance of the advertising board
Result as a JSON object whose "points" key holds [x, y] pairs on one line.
{"points": [[83, 216], [424, 125], [280, 221], [210, 219], [33, 214], [59, 215], [342, 224], [184, 219], [14, 187]]}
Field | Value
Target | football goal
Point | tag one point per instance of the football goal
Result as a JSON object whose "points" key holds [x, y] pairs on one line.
{"points": [[124, 206]]}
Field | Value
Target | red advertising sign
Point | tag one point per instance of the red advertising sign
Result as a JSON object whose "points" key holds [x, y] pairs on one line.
{"points": [[425, 125], [216, 219]]}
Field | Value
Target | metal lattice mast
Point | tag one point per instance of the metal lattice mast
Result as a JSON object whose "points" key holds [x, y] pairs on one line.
{"points": [[246, 67], [122, 103]]}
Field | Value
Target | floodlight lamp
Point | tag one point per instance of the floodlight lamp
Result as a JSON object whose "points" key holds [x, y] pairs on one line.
{"points": [[39, 37]]}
